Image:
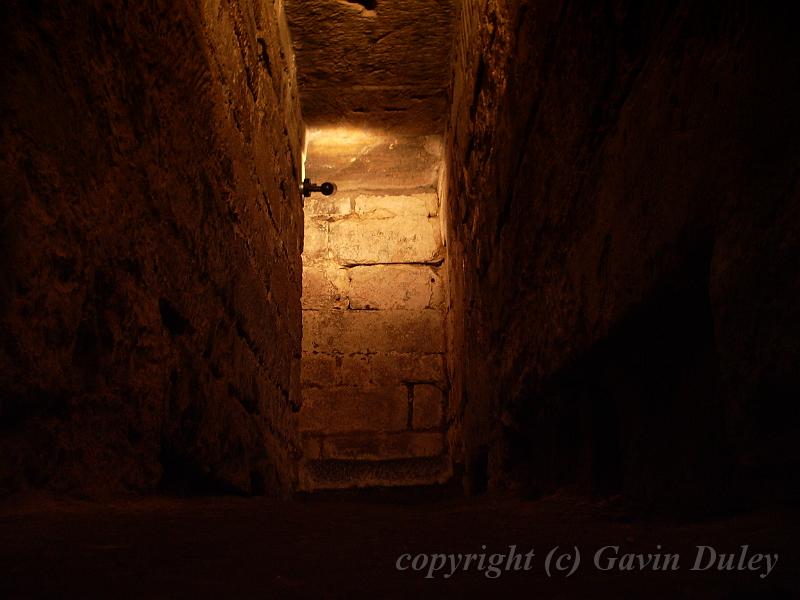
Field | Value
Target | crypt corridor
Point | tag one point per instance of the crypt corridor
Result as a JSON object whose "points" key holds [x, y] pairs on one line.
{"points": [[552, 301]]}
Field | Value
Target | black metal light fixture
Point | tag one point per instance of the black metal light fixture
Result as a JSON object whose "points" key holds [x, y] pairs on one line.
{"points": [[326, 189]]}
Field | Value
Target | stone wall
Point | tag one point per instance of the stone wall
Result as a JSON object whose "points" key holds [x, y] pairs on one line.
{"points": [[373, 367], [151, 239], [376, 64], [622, 217]]}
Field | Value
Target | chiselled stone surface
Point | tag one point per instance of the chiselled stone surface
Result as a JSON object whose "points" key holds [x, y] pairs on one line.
{"points": [[381, 369], [394, 286], [403, 239], [374, 306], [622, 208], [373, 161], [347, 409], [425, 205], [335, 474], [349, 331], [372, 447], [321, 370], [315, 244], [384, 67], [150, 327], [325, 286], [427, 407]]}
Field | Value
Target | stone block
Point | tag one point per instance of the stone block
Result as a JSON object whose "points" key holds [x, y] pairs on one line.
{"points": [[348, 474], [315, 239], [392, 368], [357, 369], [395, 205], [427, 411], [319, 370], [392, 286], [432, 204], [349, 331], [401, 239], [391, 446], [324, 206], [347, 409], [312, 447], [438, 290], [324, 286], [387, 162]]}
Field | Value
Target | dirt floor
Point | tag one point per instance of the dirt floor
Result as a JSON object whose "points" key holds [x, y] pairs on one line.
{"points": [[346, 548]]}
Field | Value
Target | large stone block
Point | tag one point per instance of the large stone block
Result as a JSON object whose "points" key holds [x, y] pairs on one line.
{"points": [[320, 370], [392, 368], [323, 206], [315, 240], [390, 446], [324, 286], [312, 447], [393, 286], [347, 409], [349, 474], [401, 239], [349, 331], [427, 408], [397, 204], [372, 160]]}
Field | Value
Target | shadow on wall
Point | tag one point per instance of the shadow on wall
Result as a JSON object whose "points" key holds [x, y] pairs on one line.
{"points": [[639, 412]]}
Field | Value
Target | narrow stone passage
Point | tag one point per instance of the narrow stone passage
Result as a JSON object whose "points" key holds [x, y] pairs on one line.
{"points": [[552, 307], [374, 301]]}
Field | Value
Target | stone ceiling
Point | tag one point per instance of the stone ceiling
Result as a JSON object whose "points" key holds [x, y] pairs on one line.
{"points": [[381, 63]]}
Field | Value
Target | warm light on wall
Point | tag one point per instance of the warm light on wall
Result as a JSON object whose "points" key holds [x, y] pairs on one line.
{"points": [[341, 139]]}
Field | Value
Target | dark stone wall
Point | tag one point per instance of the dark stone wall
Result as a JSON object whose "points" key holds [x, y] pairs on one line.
{"points": [[379, 65], [622, 214], [151, 240]]}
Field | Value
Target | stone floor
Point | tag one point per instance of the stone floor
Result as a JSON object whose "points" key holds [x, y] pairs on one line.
{"points": [[257, 548]]}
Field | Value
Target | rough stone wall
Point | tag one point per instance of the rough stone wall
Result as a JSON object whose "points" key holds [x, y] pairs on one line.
{"points": [[622, 223], [373, 367], [151, 239], [382, 64]]}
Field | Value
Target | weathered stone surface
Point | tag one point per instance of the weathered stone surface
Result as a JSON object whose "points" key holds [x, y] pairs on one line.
{"points": [[395, 286], [386, 368], [321, 370], [342, 474], [371, 318], [374, 311], [318, 205], [622, 211], [427, 411], [366, 160], [312, 447], [386, 67], [324, 286], [381, 369], [315, 243], [349, 331], [150, 283], [404, 239], [346, 409], [383, 446], [395, 205]]}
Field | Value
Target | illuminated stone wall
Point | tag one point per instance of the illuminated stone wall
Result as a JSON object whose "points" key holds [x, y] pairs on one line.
{"points": [[373, 366], [151, 234]]}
